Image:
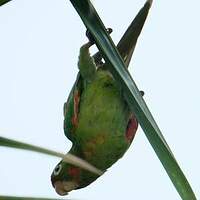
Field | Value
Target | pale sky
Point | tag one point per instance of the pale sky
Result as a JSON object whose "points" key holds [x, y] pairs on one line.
{"points": [[39, 46]]}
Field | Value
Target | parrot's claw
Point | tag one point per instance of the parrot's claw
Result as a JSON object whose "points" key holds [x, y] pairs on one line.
{"points": [[142, 93], [109, 30], [98, 56], [91, 38]]}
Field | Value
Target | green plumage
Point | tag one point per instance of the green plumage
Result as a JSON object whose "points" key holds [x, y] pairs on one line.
{"points": [[97, 118], [103, 121]]}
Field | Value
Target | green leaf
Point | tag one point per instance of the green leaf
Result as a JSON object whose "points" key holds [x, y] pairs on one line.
{"points": [[23, 198], [127, 43], [129, 39], [105, 44], [2, 2], [69, 158]]}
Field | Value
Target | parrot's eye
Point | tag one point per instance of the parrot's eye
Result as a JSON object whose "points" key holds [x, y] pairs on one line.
{"points": [[57, 169]]}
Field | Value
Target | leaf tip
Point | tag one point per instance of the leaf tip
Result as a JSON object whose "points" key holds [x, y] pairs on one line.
{"points": [[150, 2]]}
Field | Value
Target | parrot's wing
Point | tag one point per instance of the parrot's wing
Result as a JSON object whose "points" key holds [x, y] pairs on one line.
{"points": [[71, 109]]}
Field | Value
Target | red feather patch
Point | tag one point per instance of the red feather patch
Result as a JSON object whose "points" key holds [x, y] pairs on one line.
{"points": [[76, 106], [74, 172], [131, 128]]}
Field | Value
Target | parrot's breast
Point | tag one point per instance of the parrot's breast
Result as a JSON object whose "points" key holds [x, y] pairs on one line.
{"points": [[103, 131]]}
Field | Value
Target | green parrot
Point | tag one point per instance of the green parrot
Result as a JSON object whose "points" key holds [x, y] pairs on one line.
{"points": [[97, 119]]}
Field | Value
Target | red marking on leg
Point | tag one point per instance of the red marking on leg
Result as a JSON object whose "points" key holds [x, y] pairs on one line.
{"points": [[131, 128], [76, 106]]}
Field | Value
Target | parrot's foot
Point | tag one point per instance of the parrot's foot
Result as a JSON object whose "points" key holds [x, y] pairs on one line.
{"points": [[142, 93], [86, 46], [91, 38], [98, 56]]}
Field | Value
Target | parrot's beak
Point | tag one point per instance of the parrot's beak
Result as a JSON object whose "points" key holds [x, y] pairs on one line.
{"points": [[63, 187]]}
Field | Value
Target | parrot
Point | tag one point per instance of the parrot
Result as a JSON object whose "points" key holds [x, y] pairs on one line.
{"points": [[97, 119]]}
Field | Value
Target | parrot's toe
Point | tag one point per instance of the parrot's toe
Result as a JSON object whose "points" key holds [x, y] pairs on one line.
{"points": [[91, 38]]}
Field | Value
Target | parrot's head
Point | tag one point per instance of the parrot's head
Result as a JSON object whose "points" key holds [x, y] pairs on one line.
{"points": [[65, 178]]}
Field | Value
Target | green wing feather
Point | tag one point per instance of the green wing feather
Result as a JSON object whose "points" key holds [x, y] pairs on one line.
{"points": [[69, 111]]}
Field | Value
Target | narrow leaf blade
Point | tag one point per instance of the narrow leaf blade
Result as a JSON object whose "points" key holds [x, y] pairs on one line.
{"points": [[127, 44], [94, 24], [2, 2], [69, 158], [129, 39], [24, 198]]}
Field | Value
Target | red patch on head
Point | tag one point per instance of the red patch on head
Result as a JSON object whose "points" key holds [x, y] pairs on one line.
{"points": [[76, 106], [74, 172], [131, 128]]}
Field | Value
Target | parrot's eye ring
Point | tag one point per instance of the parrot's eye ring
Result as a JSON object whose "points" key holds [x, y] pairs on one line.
{"points": [[57, 169]]}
